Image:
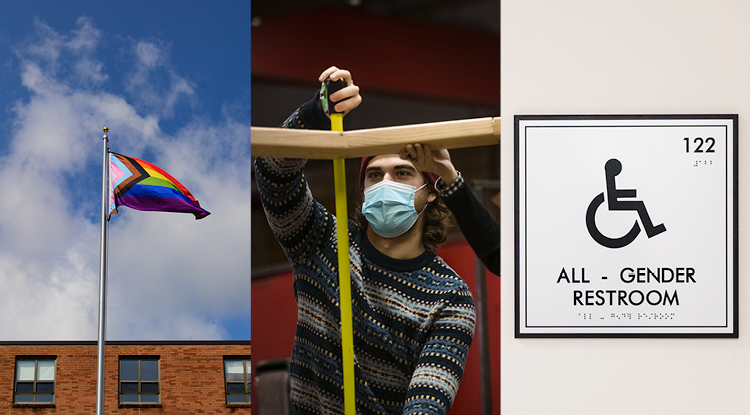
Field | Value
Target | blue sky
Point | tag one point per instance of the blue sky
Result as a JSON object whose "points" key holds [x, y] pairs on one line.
{"points": [[171, 80]]}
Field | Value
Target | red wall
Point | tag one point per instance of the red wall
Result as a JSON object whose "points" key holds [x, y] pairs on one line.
{"points": [[384, 54], [274, 314]]}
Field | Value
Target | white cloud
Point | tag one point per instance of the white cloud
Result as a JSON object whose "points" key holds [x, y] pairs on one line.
{"points": [[48, 53], [86, 38], [170, 276], [150, 72], [47, 301], [149, 54]]}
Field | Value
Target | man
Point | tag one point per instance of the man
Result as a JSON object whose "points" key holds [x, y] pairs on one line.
{"points": [[413, 316]]}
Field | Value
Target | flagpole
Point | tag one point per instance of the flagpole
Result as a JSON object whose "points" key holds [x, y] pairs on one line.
{"points": [[102, 282]]}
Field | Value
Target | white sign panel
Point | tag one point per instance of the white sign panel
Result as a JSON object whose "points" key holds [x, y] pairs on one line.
{"points": [[626, 226]]}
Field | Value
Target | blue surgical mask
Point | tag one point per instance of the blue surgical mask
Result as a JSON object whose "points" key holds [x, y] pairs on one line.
{"points": [[389, 208]]}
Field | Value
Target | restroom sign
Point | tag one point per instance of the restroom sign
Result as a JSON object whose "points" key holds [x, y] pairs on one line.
{"points": [[626, 226]]}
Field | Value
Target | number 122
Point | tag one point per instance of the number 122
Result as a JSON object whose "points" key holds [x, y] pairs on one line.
{"points": [[699, 142]]}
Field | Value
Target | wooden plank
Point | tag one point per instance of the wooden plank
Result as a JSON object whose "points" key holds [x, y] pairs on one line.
{"points": [[328, 145], [294, 143], [439, 135]]}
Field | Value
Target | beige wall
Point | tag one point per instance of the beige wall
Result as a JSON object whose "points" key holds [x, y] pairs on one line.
{"points": [[620, 57]]}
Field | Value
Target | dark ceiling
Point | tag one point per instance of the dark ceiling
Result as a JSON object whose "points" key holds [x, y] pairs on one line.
{"points": [[480, 15]]}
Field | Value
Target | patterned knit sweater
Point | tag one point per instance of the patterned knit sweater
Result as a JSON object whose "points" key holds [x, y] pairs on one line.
{"points": [[413, 319]]}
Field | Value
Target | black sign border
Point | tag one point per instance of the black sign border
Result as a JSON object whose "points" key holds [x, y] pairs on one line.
{"points": [[630, 117]]}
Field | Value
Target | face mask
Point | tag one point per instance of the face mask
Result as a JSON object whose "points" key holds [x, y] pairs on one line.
{"points": [[389, 208]]}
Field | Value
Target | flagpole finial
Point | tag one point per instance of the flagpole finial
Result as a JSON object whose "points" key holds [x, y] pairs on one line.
{"points": [[106, 130]]}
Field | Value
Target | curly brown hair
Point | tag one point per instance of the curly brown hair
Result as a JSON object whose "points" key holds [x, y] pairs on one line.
{"points": [[437, 220]]}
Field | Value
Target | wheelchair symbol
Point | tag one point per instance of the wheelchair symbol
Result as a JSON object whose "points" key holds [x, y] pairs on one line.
{"points": [[612, 168]]}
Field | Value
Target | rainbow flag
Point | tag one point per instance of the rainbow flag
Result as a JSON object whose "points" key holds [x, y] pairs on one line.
{"points": [[141, 185]]}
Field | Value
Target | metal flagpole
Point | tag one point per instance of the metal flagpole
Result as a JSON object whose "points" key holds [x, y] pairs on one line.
{"points": [[102, 282]]}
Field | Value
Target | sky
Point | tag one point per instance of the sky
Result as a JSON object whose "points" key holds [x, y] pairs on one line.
{"points": [[171, 81]]}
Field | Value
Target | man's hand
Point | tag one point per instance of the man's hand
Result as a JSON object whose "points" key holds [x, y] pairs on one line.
{"points": [[351, 91], [424, 159]]}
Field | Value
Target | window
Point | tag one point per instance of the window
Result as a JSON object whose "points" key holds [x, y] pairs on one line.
{"points": [[35, 380], [237, 378], [139, 380]]}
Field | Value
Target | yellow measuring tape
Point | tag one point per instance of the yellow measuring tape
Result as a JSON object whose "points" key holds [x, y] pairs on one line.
{"points": [[345, 293]]}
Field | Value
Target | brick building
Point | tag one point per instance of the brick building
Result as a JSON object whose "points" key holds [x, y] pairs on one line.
{"points": [[168, 377]]}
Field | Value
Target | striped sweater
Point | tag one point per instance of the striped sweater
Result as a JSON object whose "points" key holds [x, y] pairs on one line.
{"points": [[413, 319]]}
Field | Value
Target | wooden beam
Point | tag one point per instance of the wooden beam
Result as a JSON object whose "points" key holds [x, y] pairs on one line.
{"points": [[329, 145], [293, 143]]}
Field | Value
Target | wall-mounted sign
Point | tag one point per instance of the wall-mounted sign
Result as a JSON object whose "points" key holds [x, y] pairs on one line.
{"points": [[626, 226]]}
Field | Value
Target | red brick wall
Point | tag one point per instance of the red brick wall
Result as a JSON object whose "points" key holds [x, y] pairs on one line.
{"points": [[192, 377]]}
